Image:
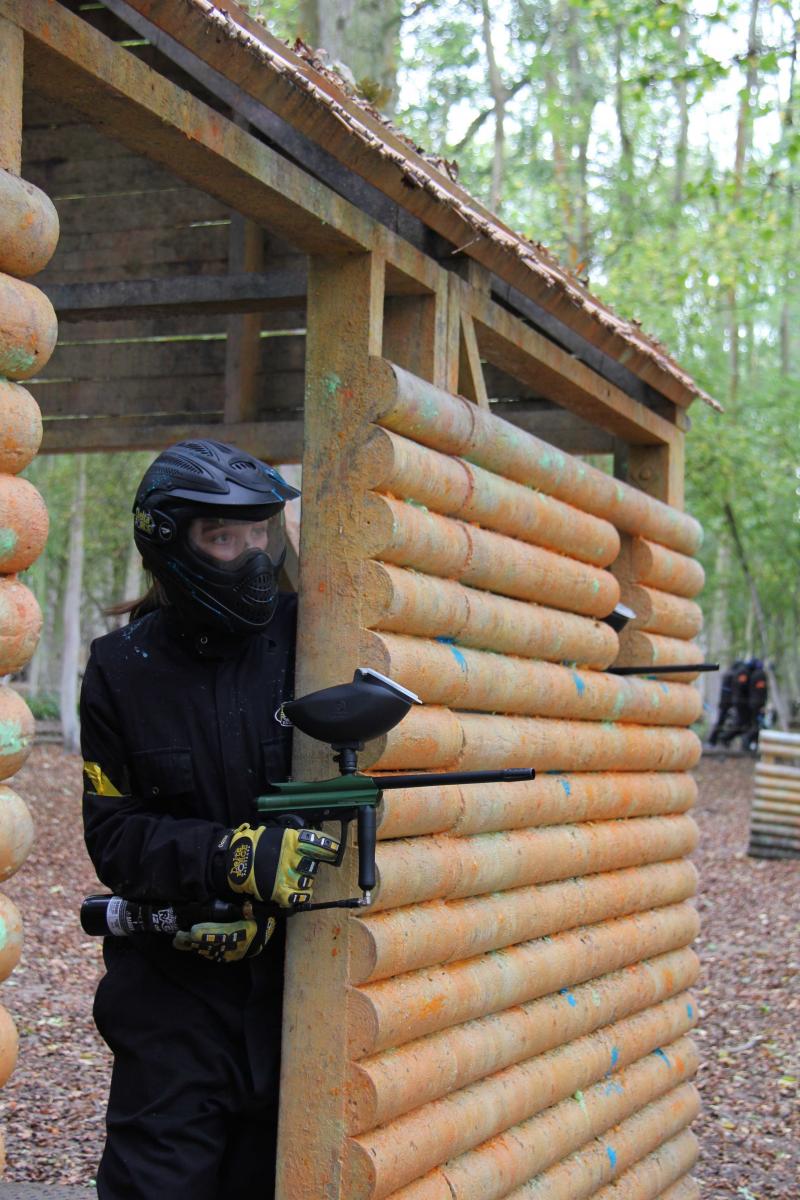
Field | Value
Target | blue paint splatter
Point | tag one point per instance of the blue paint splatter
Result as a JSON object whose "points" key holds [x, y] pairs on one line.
{"points": [[661, 1054], [566, 786], [690, 1011], [614, 1089], [614, 1056], [457, 655], [573, 1003], [579, 684], [140, 651], [612, 1157]]}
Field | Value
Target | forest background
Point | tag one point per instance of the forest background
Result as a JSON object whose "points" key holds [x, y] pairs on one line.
{"points": [[655, 148]]}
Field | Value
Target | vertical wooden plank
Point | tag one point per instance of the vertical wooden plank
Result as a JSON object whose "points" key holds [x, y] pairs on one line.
{"points": [[345, 317], [659, 470], [11, 56], [243, 347], [416, 331]]}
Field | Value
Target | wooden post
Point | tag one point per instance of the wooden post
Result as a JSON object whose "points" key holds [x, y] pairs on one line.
{"points": [[243, 348], [416, 333], [658, 470], [11, 47], [345, 317]]}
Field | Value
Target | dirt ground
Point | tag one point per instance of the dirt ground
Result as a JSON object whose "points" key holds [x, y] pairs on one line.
{"points": [[749, 993]]}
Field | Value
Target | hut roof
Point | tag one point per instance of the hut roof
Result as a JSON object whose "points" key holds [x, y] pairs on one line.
{"points": [[298, 85]]}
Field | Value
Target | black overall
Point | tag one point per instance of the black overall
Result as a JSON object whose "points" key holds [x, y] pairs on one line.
{"points": [[182, 733]]}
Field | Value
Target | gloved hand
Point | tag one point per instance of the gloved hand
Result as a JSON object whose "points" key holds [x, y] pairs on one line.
{"points": [[226, 942], [273, 863]]}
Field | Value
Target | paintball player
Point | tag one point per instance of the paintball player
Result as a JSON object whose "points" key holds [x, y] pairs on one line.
{"points": [[178, 736], [725, 700], [740, 701], [756, 701]]}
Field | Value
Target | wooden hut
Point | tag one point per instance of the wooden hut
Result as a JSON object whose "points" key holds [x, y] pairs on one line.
{"points": [[250, 253]]}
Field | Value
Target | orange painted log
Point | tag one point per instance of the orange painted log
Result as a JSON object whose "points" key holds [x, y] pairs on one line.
{"points": [[20, 427], [408, 602], [10, 936], [9, 1046], [658, 1131], [16, 731], [664, 569], [459, 677], [16, 832], [378, 1163], [638, 649], [28, 226], [455, 488], [412, 537], [414, 870], [507, 1161], [396, 1011], [426, 414], [574, 745], [546, 800], [659, 612], [20, 624], [23, 524], [394, 942], [387, 1085], [548, 745], [28, 329]]}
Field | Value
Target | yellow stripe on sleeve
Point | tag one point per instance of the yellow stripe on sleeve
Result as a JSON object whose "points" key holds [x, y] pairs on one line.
{"points": [[100, 783]]}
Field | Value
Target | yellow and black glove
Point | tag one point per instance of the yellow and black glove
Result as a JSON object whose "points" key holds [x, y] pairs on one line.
{"points": [[226, 941], [273, 863]]}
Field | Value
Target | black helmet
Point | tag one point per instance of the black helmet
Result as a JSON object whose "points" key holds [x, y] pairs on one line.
{"points": [[197, 494]]}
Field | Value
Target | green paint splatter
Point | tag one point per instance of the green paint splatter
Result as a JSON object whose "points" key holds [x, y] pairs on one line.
{"points": [[581, 1101], [8, 542], [15, 360], [331, 384], [12, 739]]}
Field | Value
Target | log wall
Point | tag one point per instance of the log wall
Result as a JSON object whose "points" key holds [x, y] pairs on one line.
{"points": [[28, 236], [519, 995], [775, 810]]}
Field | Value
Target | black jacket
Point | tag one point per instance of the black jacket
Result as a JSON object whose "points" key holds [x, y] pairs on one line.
{"points": [[178, 734]]}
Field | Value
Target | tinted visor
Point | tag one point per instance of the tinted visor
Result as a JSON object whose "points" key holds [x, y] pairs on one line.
{"points": [[228, 543]]}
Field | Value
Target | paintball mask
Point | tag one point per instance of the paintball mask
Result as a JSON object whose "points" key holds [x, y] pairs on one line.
{"points": [[208, 522]]}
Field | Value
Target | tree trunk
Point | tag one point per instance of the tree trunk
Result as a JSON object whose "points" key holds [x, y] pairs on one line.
{"points": [[744, 136], [500, 98], [682, 98], [365, 36], [70, 727]]}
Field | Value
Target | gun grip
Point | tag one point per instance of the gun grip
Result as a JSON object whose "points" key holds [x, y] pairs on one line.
{"points": [[367, 836]]}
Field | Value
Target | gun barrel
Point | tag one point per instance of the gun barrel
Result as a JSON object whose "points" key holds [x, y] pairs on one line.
{"points": [[435, 779], [664, 669]]}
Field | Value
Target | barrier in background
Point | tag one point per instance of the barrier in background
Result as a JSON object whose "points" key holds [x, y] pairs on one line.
{"points": [[775, 810]]}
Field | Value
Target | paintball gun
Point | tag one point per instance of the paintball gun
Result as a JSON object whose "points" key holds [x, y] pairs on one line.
{"points": [[345, 717]]}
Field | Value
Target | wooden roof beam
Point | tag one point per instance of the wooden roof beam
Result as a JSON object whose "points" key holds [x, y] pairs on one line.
{"points": [[275, 441], [70, 62], [538, 363], [124, 299]]}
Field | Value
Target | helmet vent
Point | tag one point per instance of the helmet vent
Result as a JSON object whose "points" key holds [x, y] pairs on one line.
{"points": [[243, 464]]}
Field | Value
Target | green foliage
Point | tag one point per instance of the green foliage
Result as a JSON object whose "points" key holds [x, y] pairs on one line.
{"points": [[44, 707]]}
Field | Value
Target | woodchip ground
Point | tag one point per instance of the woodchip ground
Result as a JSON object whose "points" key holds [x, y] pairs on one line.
{"points": [[749, 995]]}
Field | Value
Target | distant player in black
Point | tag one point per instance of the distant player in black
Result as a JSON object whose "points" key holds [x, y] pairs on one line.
{"points": [[725, 701]]}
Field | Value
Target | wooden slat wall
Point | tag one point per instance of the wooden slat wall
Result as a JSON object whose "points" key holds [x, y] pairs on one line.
{"points": [[775, 811], [518, 1011], [122, 217]]}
